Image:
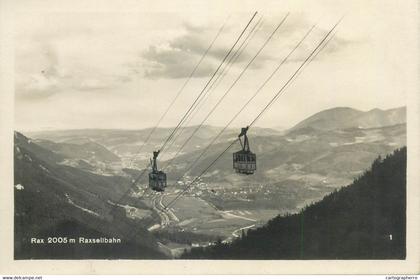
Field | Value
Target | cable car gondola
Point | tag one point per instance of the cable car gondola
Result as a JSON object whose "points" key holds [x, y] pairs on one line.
{"points": [[244, 161], [157, 178]]}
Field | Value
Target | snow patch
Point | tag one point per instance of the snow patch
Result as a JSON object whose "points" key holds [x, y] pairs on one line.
{"points": [[80, 207], [133, 212], [154, 227], [19, 187], [44, 168], [186, 222], [299, 138]]}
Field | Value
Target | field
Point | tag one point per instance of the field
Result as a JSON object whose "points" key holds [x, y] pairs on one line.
{"points": [[199, 216]]}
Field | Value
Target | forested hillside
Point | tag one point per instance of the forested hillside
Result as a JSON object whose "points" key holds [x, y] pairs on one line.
{"points": [[365, 220], [54, 200]]}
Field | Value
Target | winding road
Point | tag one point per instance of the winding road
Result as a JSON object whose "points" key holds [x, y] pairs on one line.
{"points": [[166, 215]]}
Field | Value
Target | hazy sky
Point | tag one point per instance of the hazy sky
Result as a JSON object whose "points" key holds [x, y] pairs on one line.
{"points": [[119, 67]]}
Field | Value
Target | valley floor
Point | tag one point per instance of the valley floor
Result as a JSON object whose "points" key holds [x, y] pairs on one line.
{"points": [[193, 214]]}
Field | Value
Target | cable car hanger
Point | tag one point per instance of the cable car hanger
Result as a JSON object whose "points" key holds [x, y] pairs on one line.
{"points": [[245, 144]]}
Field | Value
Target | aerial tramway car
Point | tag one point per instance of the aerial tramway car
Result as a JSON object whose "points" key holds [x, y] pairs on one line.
{"points": [[244, 161], [157, 178]]}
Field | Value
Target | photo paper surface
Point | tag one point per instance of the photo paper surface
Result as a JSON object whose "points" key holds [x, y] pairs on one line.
{"points": [[279, 135]]}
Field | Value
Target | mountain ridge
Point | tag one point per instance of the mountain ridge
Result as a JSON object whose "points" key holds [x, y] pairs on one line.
{"points": [[346, 117], [50, 198], [364, 220]]}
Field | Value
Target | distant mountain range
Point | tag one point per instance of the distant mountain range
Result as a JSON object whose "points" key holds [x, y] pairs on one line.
{"points": [[322, 152], [365, 220], [74, 178], [87, 150], [344, 117], [306, 155]]}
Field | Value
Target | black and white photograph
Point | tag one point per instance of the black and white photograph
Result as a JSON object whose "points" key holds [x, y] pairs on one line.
{"points": [[200, 130]]}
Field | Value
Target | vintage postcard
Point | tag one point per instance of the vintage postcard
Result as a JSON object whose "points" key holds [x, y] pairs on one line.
{"points": [[209, 137]]}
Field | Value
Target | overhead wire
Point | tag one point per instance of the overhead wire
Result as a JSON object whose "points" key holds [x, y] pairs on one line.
{"points": [[225, 69], [182, 88], [134, 182], [208, 82], [232, 85], [316, 54], [297, 72], [249, 100], [230, 66]]}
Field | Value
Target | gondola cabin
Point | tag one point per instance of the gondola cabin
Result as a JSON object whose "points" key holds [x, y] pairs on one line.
{"points": [[244, 161], [157, 178], [157, 181]]}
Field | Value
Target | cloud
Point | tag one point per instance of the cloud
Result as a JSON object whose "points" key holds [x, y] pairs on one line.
{"points": [[43, 82], [333, 45], [53, 60], [173, 63], [37, 86], [177, 57], [336, 44], [53, 71]]}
